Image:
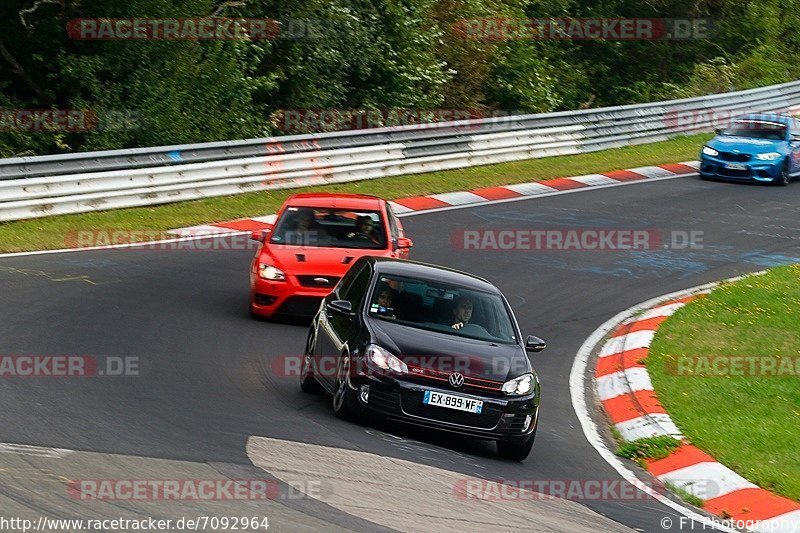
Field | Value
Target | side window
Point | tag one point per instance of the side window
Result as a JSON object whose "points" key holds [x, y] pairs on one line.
{"points": [[345, 282], [395, 232], [356, 290]]}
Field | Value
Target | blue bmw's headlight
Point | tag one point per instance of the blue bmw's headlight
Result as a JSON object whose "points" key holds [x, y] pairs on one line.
{"points": [[710, 151], [769, 156]]}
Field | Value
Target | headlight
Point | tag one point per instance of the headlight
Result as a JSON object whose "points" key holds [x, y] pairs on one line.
{"points": [[769, 156], [519, 386], [710, 151], [270, 272], [383, 359]]}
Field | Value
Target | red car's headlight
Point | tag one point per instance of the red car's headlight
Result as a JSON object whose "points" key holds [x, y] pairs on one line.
{"points": [[270, 272]]}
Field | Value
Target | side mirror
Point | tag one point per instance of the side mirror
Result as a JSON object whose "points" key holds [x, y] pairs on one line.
{"points": [[534, 344], [258, 235], [718, 130], [341, 307], [404, 242]]}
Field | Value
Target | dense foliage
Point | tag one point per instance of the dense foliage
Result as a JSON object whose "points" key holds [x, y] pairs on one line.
{"points": [[392, 54]]}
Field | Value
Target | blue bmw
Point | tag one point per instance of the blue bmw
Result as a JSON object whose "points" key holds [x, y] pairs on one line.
{"points": [[755, 148]]}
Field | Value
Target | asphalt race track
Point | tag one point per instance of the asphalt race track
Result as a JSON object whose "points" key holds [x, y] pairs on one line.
{"points": [[209, 402]]}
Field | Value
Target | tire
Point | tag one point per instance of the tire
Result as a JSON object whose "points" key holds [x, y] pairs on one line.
{"points": [[345, 403], [784, 178], [308, 383], [516, 451]]}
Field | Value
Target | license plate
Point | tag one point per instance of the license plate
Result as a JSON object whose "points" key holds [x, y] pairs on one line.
{"points": [[735, 166], [451, 401]]}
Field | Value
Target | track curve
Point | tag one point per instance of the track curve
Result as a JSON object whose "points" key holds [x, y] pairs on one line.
{"points": [[208, 385]]}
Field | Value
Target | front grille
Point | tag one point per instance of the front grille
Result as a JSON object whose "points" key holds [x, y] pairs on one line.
{"points": [[411, 402], [734, 173], [426, 375], [384, 400], [322, 282], [730, 156], [300, 305]]}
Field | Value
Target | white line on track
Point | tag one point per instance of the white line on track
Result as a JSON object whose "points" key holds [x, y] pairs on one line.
{"points": [[37, 451]]}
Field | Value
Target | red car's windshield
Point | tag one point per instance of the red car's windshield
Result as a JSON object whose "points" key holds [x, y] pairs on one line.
{"points": [[330, 228]]}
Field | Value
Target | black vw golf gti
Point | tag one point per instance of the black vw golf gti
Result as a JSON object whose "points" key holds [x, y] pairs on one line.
{"points": [[428, 346]]}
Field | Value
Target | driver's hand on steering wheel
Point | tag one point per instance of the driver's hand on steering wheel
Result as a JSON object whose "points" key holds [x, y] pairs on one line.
{"points": [[358, 235]]}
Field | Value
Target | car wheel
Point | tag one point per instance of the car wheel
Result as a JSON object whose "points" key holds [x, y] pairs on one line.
{"points": [[345, 403], [308, 383], [516, 450], [784, 179]]}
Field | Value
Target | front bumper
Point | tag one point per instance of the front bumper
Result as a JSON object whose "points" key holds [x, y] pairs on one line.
{"points": [[288, 297], [506, 418], [753, 171]]}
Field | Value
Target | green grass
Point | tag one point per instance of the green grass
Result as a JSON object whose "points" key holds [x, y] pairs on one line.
{"points": [[750, 423], [684, 495], [52, 232], [648, 448]]}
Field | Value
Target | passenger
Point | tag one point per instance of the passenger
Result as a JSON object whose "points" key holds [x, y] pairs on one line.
{"points": [[304, 229], [304, 221]]}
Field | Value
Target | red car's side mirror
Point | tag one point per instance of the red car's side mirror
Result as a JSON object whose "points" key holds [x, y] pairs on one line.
{"points": [[258, 235], [404, 242]]}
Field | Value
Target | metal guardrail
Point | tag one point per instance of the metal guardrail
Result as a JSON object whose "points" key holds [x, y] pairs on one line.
{"points": [[33, 187]]}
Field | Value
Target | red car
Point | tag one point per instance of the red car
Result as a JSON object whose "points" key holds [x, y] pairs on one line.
{"points": [[315, 239]]}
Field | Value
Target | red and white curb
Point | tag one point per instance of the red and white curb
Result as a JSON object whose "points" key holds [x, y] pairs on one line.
{"points": [[626, 392], [487, 195]]}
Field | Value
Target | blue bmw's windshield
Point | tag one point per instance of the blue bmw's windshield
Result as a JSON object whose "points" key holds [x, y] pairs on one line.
{"points": [[757, 130]]}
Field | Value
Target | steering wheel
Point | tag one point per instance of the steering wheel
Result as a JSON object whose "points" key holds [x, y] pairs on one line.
{"points": [[360, 236]]}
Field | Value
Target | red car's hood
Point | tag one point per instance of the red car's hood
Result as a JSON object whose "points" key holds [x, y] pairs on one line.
{"points": [[307, 260]]}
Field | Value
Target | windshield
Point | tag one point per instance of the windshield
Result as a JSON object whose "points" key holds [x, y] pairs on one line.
{"points": [[757, 129], [333, 228], [447, 309]]}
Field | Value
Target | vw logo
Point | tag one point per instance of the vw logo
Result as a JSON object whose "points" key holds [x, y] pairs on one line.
{"points": [[456, 379]]}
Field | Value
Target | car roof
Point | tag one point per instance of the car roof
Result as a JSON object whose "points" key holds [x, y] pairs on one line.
{"points": [[766, 117], [439, 274], [335, 200]]}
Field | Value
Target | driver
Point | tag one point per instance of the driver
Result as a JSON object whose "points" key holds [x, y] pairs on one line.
{"points": [[364, 227], [383, 301], [462, 312]]}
